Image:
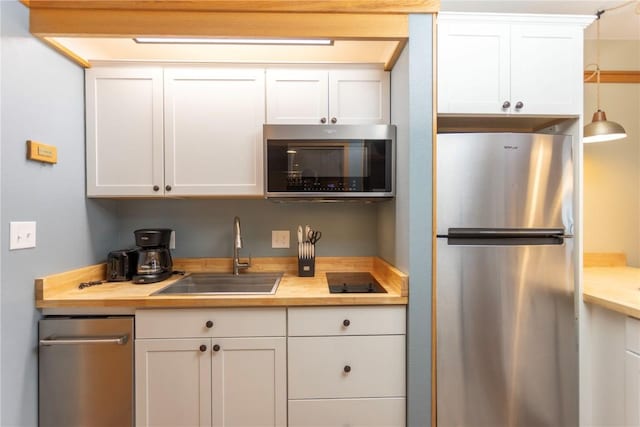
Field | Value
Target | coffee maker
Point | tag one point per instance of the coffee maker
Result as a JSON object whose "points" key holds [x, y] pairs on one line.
{"points": [[154, 257]]}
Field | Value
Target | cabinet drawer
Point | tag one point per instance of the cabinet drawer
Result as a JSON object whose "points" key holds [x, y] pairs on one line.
{"points": [[632, 330], [347, 412], [227, 322], [367, 320], [336, 367]]}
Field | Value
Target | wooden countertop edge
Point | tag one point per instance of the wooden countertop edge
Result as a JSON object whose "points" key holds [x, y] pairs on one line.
{"points": [[611, 305]]}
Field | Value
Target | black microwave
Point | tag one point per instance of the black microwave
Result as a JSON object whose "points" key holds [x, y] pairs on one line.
{"points": [[329, 162]]}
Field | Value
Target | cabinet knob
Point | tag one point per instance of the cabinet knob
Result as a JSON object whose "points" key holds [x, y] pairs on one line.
{"points": [[323, 120], [519, 105], [506, 104], [216, 347], [168, 188], [209, 324], [334, 120], [203, 348], [346, 322], [156, 188], [347, 369]]}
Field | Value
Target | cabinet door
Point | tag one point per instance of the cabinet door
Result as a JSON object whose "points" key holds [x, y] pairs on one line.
{"points": [[213, 131], [297, 96], [359, 97], [173, 382], [124, 131], [546, 69], [632, 389], [249, 382], [473, 67]]}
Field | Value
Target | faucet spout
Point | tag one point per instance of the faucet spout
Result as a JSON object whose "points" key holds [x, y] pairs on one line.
{"points": [[237, 245]]}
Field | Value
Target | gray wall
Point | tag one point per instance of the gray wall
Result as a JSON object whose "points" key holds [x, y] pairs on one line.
{"points": [[204, 227], [42, 99], [420, 219]]}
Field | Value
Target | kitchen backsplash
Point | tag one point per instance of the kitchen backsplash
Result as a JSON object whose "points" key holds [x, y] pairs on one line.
{"points": [[204, 227]]}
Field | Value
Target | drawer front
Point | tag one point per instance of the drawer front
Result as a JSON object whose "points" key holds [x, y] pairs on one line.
{"points": [[632, 330], [347, 320], [347, 412], [337, 367], [227, 322]]}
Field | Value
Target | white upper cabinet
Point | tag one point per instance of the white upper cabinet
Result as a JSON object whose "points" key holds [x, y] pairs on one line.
{"points": [[213, 131], [181, 131], [510, 64], [124, 131], [336, 96]]}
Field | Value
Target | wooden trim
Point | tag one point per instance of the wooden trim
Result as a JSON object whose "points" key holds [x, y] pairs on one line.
{"points": [[66, 52], [613, 76], [604, 259], [128, 23], [434, 224], [287, 6], [391, 62]]}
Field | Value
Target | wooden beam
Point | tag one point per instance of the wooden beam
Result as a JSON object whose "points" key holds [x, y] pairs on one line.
{"points": [[285, 6], [616, 76], [391, 62], [128, 23], [66, 52]]}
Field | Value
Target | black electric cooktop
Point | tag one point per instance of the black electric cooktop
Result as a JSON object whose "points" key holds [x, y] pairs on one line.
{"points": [[360, 282]]}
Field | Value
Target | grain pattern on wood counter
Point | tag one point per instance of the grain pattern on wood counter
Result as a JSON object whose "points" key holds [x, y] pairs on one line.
{"points": [[61, 290], [615, 288]]}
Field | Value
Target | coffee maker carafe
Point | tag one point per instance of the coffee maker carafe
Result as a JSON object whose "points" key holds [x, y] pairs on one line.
{"points": [[154, 257]]}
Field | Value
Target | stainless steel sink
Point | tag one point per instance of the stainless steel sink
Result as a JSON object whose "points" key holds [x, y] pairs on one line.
{"points": [[223, 283]]}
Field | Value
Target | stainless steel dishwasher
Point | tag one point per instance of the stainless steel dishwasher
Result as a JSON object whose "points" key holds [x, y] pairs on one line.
{"points": [[86, 372]]}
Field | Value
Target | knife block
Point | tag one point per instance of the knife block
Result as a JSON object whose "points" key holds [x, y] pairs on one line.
{"points": [[307, 266]]}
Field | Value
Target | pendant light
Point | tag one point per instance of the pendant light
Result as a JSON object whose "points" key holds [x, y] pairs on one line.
{"points": [[600, 129]]}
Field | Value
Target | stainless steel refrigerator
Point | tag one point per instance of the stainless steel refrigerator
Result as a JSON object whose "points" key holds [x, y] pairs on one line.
{"points": [[507, 346]]}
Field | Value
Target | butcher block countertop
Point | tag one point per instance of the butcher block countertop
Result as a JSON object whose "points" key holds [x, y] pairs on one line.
{"points": [[610, 283], [61, 290]]}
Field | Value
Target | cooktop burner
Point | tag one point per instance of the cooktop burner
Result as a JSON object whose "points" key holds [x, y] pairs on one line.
{"points": [[359, 282]]}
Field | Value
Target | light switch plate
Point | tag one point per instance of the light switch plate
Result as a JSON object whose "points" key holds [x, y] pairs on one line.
{"points": [[22, 235], [280, 239]]}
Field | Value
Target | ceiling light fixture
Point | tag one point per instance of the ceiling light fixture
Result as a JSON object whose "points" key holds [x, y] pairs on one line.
{"points": [[600, 129], [204, 40]]}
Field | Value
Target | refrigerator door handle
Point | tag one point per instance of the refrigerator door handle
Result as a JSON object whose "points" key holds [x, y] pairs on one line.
{"points": [[506, 236]]}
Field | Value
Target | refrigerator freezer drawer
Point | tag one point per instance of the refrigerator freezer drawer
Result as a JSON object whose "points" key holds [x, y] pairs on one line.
{"points": [[506, 335], [504, 180]]}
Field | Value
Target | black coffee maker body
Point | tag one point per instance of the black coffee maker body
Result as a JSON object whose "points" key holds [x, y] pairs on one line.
{"points": [[154, 256]]}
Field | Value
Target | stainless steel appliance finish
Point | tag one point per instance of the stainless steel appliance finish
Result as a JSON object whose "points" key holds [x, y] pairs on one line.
{"points": [[329, 162], [507, 350], [86, 372], [222, 283]]}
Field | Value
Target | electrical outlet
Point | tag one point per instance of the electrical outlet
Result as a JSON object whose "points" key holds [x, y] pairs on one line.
{"points": [[22, 234], [280, 238]]}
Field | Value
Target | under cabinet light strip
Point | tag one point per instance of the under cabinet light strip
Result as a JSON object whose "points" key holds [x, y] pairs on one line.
{"points": [[186, 40]]}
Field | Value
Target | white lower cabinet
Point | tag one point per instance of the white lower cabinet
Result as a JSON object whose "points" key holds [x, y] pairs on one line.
{"points": [[342, 370], [632, 372], [192, 377]]}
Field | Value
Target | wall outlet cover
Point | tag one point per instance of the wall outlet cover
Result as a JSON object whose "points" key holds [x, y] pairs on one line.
{"points": [[280, 239], [22, 235]]}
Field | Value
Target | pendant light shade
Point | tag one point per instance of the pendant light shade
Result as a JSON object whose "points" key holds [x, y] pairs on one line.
{"points": [[600, 129]]}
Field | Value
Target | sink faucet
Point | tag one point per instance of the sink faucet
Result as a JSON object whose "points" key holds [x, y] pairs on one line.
{"points": [[237, 245]]}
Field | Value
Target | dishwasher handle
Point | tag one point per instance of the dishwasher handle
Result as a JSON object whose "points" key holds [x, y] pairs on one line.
{"points": [[120, 340]]}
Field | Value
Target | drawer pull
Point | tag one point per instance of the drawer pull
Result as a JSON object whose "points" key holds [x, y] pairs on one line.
{"points": [[209, 324], [216, 347], [346, 322], [203, 348], [347, 369]]}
